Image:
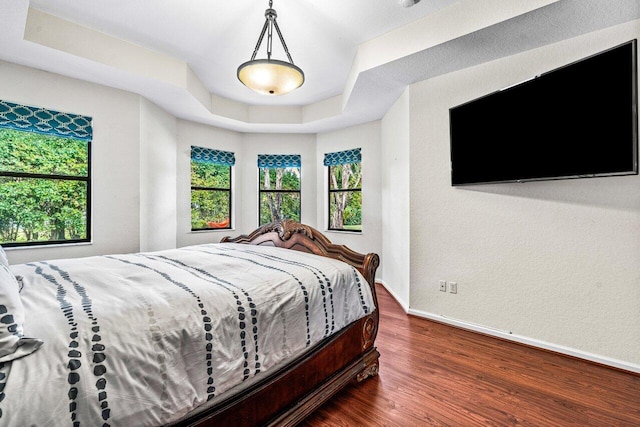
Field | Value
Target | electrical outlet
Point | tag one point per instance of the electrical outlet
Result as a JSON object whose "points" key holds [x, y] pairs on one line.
{"points": [[453, 287], [443, 286]]}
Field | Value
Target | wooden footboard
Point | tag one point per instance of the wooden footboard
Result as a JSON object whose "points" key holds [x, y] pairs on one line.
{"points": [[287, 396]]}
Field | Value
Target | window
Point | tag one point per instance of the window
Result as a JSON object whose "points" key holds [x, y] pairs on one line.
{"points": [[279, 187], [345, 189], [45, 176], [210, 188]]}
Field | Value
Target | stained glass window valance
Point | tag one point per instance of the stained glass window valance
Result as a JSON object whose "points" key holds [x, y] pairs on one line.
{"points": [[279, 161], [216, 157], [343, 157], [42, 120]]}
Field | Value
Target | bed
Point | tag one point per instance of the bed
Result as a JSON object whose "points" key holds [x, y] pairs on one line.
{"points": [[257, 330]]}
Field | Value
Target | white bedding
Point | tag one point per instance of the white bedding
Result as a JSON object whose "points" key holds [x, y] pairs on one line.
{"points": [[143, 339]]}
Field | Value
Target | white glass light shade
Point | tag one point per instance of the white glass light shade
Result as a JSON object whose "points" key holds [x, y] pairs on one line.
{"points": [[270, 77]]}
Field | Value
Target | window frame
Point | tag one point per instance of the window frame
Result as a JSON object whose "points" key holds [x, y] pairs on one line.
{"points": [[56, 177], [229, 192], [279, 161], [330, 161]]}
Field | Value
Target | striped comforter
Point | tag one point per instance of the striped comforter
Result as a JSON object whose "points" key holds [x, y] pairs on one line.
{"points": [[143, 339]]}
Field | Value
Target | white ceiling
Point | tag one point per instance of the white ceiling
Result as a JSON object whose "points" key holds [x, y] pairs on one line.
{"points": [[214, 37], [324, 37]]}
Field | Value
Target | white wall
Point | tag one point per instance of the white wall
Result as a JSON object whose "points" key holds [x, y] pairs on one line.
{"points": [[190, 133], [245, 175], [245, 195], [115, 156], [556, 262], [396, 224], [367, 137], [158, 177], [254, 144]]}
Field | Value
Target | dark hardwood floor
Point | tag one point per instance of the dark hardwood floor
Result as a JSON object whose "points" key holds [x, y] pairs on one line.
{"points": [[435, 374]]}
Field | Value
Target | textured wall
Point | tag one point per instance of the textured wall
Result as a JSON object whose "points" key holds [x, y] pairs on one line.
{"points": [[115, 151], [555, 261], [396, 179], [367, 137]]}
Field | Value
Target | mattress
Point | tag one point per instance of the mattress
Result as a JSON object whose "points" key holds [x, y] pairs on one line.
{"points": [[145, 339]]}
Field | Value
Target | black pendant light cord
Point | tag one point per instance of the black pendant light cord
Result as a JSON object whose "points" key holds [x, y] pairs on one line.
{"points": [[270, 76], [270, 22]]}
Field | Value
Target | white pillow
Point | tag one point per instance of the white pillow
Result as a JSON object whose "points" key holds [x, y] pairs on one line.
{"points": [[3, 257], [12, 342]]}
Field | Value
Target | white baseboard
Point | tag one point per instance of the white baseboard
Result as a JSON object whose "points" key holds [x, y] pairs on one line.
{"points": [[394, 295], [508, 335], [619, 364]]}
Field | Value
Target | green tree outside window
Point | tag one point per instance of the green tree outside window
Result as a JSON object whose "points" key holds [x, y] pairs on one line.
{"points": [[345, 197], [44, 189], [210, 196], [279, 189]]}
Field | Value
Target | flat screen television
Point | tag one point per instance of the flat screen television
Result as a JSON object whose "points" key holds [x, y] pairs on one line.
{"points": [[577, 121]]}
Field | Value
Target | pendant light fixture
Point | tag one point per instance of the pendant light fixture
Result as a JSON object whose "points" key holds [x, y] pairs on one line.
{"points": [[270, 76]]}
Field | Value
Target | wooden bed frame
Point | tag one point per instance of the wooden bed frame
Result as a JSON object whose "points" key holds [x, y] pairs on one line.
{"points": [[287, 396]]}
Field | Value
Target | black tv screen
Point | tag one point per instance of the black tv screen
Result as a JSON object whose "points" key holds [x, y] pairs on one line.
{"points": [[577, 121]]}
